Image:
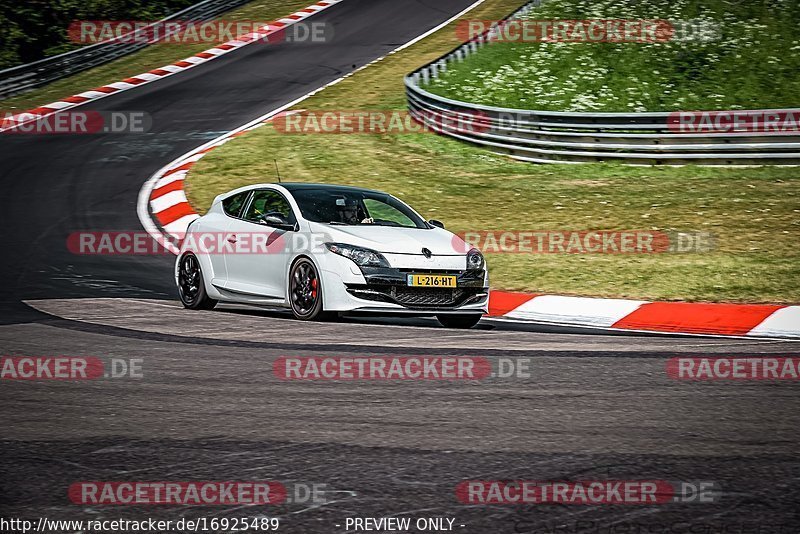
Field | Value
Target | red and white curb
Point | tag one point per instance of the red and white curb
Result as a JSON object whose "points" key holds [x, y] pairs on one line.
{"points": [[18, 119], [752, 320]]}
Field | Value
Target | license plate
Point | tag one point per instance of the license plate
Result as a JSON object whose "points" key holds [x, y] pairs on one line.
{"points": [[432, 280]]}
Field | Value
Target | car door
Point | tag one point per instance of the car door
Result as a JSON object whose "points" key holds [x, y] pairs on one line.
{"points": [[214, 230], [257, 260]]}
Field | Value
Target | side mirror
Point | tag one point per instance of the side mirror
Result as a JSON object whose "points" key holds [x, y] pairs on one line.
{"points": [[437, 223], [277, 221]]}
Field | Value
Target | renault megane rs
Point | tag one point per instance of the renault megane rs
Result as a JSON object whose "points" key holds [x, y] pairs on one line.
{"points": [[326, 249]]}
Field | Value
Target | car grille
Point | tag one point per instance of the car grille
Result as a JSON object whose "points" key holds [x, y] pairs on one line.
{"points": [[428, 296], [417, 297]]}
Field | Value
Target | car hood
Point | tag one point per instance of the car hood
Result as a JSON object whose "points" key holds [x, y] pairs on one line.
{"points": [[392, 240]]}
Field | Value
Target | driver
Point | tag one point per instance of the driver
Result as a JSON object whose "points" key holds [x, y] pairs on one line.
{"points": [[349, 211]]}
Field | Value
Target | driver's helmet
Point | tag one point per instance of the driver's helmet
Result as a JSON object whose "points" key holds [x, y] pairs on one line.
{"points": [[348, 209]]}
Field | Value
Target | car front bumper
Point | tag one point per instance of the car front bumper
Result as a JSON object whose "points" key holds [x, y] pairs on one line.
{"points": [[386, 290], [389, 285]]}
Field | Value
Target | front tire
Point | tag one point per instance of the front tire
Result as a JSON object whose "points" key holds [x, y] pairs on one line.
{"points": [[305, 291], [191, 286], [464, 320]]}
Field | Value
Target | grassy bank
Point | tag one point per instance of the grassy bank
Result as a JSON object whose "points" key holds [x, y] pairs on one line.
{"points": [[754, 212], [152, 57], [732, 55]]}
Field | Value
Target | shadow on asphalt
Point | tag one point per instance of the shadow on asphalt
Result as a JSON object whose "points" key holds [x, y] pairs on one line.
{"points": [[487, 324]]}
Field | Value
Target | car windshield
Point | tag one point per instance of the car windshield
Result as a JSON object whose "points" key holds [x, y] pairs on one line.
{"points": [[353, 207]]}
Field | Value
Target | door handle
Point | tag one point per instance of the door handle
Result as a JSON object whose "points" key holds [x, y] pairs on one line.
{"points": [[232, 239]]}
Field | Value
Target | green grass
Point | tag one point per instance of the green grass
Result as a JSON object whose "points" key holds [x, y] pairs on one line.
{"points": [[152, 57], [749, 60], [754, 212]]}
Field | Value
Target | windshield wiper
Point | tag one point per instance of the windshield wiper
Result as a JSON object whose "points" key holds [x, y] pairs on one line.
{"points": [[338, 223]]}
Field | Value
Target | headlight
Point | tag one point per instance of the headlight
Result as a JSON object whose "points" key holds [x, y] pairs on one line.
{"points": [[363, 257], [475, 261]]}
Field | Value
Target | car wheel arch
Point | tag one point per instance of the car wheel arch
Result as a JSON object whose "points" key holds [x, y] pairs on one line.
{"points": [[289, 273], [205, 266]]}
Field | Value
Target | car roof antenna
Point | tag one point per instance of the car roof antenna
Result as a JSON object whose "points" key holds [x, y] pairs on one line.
{"points": [[277, 172]]}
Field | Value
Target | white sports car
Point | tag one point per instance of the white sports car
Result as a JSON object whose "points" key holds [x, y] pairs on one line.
{"points": [[326, 249]]}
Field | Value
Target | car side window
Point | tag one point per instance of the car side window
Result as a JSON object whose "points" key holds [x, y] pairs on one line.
{"points": [[233, 205], [267, 202]]}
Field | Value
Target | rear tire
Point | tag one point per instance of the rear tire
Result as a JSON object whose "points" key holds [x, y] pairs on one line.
{"points": [[305, 292], [464, 320], [191, 285]]}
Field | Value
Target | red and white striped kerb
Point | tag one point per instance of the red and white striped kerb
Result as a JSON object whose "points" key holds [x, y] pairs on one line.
{"points": [[756, 320]]}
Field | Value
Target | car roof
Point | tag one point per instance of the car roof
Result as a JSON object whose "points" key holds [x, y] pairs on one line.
{"points": [[295, 186], [301, 186]]}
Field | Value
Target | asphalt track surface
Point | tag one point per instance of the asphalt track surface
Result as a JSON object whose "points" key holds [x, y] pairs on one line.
{"points": [[209, 407]]}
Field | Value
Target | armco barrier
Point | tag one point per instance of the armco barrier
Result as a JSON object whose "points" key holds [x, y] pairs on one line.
{"points": [[31, 75], [573, 137]]}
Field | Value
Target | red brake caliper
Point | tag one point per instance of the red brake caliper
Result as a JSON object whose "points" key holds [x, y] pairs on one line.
{"points": [[314, 288]]}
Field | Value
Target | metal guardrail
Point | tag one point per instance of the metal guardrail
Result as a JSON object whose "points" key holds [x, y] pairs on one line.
{"points": [[23, 78], [576, 137]]}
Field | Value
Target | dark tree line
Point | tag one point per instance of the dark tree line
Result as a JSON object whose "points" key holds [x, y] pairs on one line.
{"points": [[34, 29]]}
